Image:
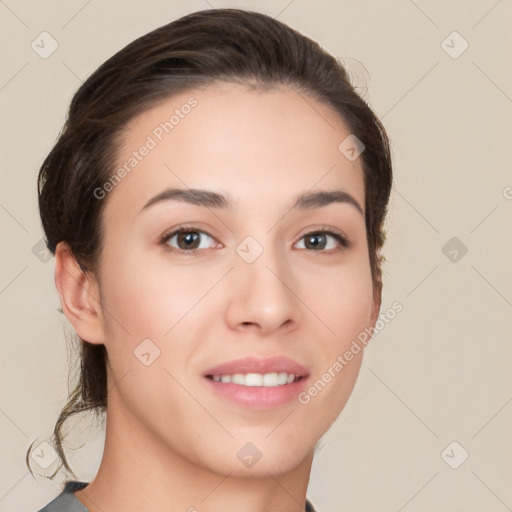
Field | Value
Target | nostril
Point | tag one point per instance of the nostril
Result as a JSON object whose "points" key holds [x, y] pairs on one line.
{"points": [[249, 324]]}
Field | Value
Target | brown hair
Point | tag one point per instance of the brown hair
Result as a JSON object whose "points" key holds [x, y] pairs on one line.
{"points": [[222, 45]]}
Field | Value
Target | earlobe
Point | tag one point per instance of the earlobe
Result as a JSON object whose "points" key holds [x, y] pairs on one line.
{"points": [[79, 296]]}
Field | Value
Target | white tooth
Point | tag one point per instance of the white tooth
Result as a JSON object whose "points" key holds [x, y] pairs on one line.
{"points": [[270, 379], [238, 378], [254, 379], [257, 379], [281, 379]]}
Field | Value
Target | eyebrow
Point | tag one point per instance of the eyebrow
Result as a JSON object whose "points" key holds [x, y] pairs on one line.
{"points": [[209, 199]]}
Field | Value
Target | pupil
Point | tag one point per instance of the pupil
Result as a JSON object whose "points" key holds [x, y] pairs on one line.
{"points": [[311, 240], [190, 239]]}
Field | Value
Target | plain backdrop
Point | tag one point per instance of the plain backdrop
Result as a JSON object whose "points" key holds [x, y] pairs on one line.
{"points": [[428, 426]]}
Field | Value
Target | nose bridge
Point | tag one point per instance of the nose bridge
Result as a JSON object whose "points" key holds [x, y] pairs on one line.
{"points": [[262, 286]]}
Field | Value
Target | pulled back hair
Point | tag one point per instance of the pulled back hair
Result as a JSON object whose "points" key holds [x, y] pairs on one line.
{"points": [[218, 45]]}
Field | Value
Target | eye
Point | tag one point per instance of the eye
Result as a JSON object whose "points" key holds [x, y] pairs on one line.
{"points": [[187, 239], [324, 240]]}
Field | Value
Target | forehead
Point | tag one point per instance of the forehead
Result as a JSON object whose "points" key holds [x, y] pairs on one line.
{"points": [[251, 145]]}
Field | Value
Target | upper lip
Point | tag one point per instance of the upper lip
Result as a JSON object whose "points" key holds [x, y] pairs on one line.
{"points": [[257, 365]]}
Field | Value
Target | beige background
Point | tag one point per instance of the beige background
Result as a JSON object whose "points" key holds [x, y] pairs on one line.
{"points": [[439, 372]]}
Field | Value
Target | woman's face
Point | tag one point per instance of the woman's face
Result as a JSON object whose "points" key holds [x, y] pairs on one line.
{"points": [[264, 293]]}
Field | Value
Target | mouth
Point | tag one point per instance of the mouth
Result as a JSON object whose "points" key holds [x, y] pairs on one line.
{"points": [[258, 383]]}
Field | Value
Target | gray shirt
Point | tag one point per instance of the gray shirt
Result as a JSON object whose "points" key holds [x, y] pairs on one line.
{"points": [[66, 501]]}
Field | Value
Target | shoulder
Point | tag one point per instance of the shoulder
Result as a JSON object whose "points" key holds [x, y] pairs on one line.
{"points": [[66, 500]]}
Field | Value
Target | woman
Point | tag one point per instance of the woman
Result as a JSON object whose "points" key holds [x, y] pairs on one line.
{"points": [[215, 204]]}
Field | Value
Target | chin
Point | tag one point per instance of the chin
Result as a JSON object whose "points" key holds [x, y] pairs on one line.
{"points": [[258, 459]]}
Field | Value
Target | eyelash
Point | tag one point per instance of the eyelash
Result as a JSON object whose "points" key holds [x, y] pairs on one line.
{"points": [[337, 235]]}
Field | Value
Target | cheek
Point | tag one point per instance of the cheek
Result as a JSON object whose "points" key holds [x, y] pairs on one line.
{"points": [[148, 299], [343, 301], [142, 303], [155, 308]]}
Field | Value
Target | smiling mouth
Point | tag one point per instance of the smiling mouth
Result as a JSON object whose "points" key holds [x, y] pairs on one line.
{"points": [[268, 380]]}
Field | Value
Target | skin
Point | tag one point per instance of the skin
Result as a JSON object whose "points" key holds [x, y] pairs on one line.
{"points": [[171, 443]]}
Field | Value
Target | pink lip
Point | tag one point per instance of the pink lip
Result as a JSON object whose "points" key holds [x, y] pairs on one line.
{"points": [[258, 397], [255, 365]]}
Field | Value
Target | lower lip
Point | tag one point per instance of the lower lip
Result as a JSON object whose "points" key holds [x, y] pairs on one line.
{"points": [[258, 397]]}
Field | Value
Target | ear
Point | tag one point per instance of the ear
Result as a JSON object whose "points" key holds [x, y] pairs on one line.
{"points": [[79, 296]]}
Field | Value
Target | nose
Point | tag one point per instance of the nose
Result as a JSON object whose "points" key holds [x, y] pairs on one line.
{"points": [[264, 295]]}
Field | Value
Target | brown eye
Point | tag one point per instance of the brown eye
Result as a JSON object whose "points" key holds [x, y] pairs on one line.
{"points": [[188, 240], [323, 241], [316, 241]]}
